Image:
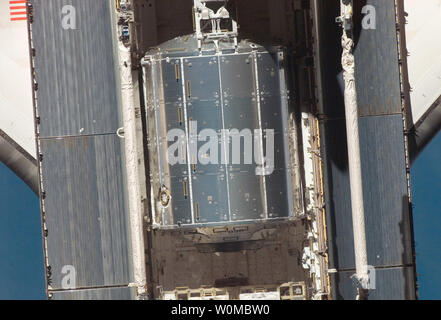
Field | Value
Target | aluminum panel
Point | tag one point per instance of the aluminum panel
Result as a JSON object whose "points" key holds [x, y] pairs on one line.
{"points": [[209, 154], [168, 158], [206, 114], [237, 74], [278, 179], [273, 114], [85, 210], [202, 88], [123, 293], [376, 56], [75, 70], [241, 113], [388, 229], [385, 192], [281, 152], [173, 112], [247, 197], [273, 91], [209, 183], [169, 76], [210, 197], [218, 92], [385, 196], [179, 210], [203, 94], [170, 115], [278, 192], [239, 92], [269, 70], [240, 149], [377, 63]]}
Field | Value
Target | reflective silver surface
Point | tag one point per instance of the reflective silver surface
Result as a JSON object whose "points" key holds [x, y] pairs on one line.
{"points": [[246, 91], [84, 206]]}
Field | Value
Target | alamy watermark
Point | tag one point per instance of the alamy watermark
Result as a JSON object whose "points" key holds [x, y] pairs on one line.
{"points": [[68, 281], [226, 146], [68, 17]]}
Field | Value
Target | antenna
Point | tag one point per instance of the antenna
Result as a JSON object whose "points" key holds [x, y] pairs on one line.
{"points": [[208, 23]]}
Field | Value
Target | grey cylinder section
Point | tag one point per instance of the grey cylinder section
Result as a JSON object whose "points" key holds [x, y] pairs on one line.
{"points": [[211, 118]]}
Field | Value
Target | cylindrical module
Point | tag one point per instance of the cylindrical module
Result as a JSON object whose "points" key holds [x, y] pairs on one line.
{"points": [[218, 133]]}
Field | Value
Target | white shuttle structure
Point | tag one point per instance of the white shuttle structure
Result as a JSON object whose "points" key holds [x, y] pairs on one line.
{"points": [[90, 91]]}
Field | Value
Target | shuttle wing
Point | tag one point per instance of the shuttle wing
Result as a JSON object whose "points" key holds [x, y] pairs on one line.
{"points": [[424, 67], [17, 132]]}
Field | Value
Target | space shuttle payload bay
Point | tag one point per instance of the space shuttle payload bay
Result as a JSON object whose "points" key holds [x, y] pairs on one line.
{"points": [[17, 119], [75, 129]]}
